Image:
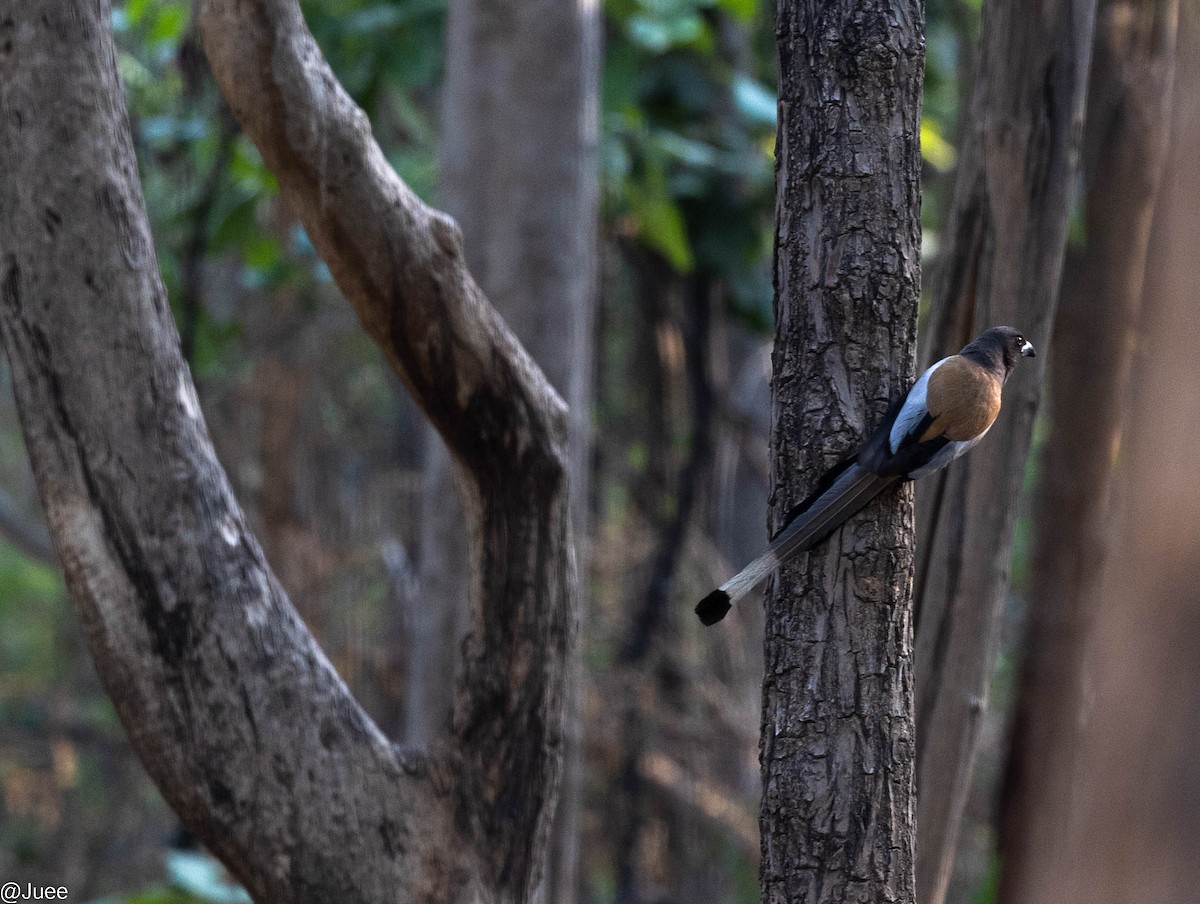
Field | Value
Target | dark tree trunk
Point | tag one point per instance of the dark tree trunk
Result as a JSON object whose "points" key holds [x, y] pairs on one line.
{"points": [[837, 745], [1095, 334], [1006, 236], [234, 710]]}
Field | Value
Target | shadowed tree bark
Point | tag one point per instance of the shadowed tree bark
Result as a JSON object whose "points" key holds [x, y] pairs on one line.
{"points": [[837, 731], [1005, 239], [1095, 333], [236, 713]]}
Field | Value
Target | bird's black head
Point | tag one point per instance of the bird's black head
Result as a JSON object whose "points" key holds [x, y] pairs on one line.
{"points": [[999, 349]]}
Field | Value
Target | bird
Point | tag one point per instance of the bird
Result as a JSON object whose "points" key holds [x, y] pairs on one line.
{"points": [[948, 410]]}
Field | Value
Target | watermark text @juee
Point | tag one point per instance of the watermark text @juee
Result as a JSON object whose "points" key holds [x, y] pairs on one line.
{"points": [[11, 892]]}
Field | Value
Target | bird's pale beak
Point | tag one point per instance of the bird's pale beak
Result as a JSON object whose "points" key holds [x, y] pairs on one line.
{"points": [[1027, 350]]}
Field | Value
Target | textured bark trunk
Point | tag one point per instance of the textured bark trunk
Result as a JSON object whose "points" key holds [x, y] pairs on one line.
{"points": [[1095, 334], [231, 705], [1006, 236], [1134, 812], [837, 731], [519, 174]]}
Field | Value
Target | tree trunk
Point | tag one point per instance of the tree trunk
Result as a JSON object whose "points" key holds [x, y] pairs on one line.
{"points": [[837, 731], [519, 174], [1130, 814], [1006, 235], [1095, 335], [234, 710]]}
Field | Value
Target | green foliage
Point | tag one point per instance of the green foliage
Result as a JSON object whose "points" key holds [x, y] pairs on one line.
{"points": [[687, 140], [688, 121], [211, 199]]}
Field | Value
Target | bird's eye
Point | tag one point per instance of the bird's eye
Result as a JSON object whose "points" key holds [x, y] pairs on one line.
{"points": [[1020, 340]]}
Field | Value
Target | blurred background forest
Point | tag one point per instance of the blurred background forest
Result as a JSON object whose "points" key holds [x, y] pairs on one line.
{"points": [[333, 464]]}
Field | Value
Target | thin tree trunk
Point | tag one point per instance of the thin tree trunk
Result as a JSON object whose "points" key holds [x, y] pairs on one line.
{"points": [[234, 710], [1130, 812], [1006, 236], [1094, 339], [837, 732]]}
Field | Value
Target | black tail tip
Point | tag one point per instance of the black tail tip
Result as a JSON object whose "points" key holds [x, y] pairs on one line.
{"points": [[713, 607]]}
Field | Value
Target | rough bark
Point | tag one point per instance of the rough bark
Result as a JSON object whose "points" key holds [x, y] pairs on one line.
{"points": [[232, 707], [1132, 813], [837, 733], [1005, 240], [1095, 333], [519, 174]]}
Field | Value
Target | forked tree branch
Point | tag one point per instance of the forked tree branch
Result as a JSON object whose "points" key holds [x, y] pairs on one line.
{"points": [[236, 713], [400, 263]]}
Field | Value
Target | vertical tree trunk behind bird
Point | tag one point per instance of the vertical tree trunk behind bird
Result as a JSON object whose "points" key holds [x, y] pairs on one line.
{"points": [[1006, 236], [837, 748], [1129, 814], [1095, 334]]}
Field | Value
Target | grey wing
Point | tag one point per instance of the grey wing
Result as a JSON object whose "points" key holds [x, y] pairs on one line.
{"points": [[913, 411], [945, 455]]}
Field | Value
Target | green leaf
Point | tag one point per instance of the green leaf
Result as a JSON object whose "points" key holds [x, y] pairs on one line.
{"points": [[263, 253], [618, 87], [661, 34], [135, 11], [662, 228], [685, 150], [742, 10], [170, 22], [754, 101], [936, 150], [419, 170], [235, 224], [660, 222]]}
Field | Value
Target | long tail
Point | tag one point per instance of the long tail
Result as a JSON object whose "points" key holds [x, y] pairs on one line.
{"points": [[852, 490]]}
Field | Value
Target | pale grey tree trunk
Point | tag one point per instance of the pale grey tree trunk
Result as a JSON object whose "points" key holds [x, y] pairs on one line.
{"points": [[1005, 236], [234, 710], [519, 173], [837, 745], [1095, 334]]}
